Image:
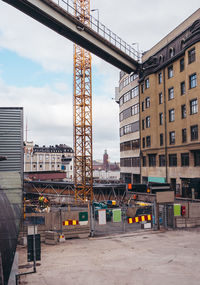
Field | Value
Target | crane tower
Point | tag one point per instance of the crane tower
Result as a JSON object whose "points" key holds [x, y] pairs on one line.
{"points": [[83, 162]]}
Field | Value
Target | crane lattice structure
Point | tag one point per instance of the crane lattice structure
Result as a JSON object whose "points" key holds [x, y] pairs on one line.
{"points": [[83, 163]]}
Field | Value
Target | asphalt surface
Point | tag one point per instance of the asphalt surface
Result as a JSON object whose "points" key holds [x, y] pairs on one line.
{"points": [[143, 257]]}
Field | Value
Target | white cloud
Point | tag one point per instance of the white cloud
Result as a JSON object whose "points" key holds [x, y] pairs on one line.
{"points": [[50, 116]]}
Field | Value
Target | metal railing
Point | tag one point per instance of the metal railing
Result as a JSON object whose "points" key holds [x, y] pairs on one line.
{"points": [[101, 29]]}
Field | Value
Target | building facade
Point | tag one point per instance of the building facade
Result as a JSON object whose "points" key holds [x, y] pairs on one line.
{"points": [[48, 159], [127, 96], [170, 107]]}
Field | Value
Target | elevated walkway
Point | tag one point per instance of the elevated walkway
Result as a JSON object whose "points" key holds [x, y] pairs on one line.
{"points": [[58, 15]]}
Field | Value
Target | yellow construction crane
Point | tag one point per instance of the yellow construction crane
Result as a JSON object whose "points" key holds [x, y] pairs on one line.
{"points": [[83, 161]]}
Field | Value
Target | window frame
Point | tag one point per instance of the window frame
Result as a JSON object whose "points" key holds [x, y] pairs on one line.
{"points": [[191, 55], [182, 87], [194, 132], [193, 81], [185, 159], [182, 64], [170, 71], [171, 115], [160, 98], [172, 137], [184, 135], [159, 77], [161, 119], [170, 93], [173, 160], [193, 107], [183, 111]]}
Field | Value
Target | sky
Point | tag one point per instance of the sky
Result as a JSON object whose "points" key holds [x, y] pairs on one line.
{"points": [[36, 68]]}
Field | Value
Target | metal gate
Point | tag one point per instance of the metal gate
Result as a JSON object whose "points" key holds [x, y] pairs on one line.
{"points": [[109, 220]]}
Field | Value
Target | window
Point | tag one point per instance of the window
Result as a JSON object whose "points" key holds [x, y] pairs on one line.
{"points": [[193, 81], [183, 111], [148, 141], [143, 142], [144, 161], [121, 101], [193, 106], [148, 122], [160, 98], [40, 165], [127, 129], [143, 124], [194, 132], [172, 160], [171, 93], [134, 92], [142, 87], [161, 139], [152, 160], [127, 97], [182, 88], [171, 115], [147, 101], [172, 137], [182, 64], [184, 135], [171, 52], [162, 160], [191, 55], [135, 109], [147, 83], [161, 118], [159, 77], [170, 71], [142, 106], [196, 158], [184, 159]]}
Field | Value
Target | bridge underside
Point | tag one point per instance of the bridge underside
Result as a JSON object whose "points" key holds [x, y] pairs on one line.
{"points": [[62, 22]]}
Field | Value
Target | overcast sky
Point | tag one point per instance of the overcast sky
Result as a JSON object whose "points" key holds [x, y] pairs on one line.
{"points": [[36, 68]]}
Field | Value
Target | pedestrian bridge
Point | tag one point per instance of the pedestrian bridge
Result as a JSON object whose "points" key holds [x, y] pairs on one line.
{"points": [[59, 15]]}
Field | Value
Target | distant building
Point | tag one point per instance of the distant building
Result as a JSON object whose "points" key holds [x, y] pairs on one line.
{"points": [[105, 170], [58, 158]]}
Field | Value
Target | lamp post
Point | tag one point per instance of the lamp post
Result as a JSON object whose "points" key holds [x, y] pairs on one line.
{"points": [[97, 10]]}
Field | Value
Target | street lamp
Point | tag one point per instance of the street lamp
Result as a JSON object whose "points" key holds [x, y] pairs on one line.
{"points": [[96, 10]]}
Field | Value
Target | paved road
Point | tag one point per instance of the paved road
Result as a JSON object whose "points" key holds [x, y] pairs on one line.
{"points": [[142, 258]]}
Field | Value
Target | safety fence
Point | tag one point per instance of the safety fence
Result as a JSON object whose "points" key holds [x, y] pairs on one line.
{"points": [[113, 219]]}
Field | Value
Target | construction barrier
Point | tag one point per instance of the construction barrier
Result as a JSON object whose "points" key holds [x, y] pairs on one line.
{"points": [[140, 219], [70, 223]]}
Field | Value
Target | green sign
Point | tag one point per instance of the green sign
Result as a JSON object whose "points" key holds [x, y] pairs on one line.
{"points": [[177, 210], [117, 215], [157, 179]]}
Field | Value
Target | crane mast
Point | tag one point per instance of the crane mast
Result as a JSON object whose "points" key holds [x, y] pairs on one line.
{"points": [[82, 119]]}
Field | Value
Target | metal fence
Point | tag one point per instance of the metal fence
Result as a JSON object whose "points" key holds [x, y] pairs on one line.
{"points": [[99, 28]]}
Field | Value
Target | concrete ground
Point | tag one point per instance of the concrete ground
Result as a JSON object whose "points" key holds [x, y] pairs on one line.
{"points": [[142, 258]]}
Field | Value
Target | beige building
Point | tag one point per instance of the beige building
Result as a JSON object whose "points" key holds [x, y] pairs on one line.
{"points": [[52, 158], [127, 96], [170, 107]]}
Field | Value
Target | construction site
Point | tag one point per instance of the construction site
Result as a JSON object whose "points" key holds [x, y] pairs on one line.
{"points": [[123, 231]]}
